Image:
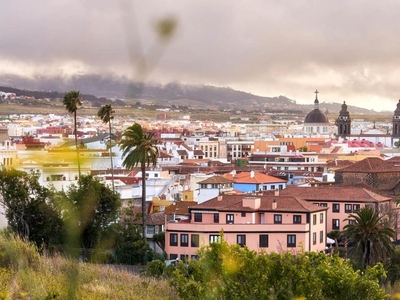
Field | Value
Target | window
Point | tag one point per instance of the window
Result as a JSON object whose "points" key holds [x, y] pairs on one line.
{"points": [[314, 238], [335, 207], [173, 256], [321, 236], [335, 224], [347, 208], [321, 218], [215, 238], [243, 214], [291, 240], [272, 187], [184, 240], [216, 218], [198, 217], [230, 218], [241, 240], [194, 257], [264, 240], [194, 240], [184, 257], [323, 204], [297, 219], [314, 219], [352, 222], [277, 219], [356, 207], [173, 239], [151, 229]]}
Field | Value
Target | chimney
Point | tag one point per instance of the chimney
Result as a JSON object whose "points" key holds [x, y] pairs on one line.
{"points": [[219, 198], [252, 202], [252, 174], [277, 192], [274, 204]]}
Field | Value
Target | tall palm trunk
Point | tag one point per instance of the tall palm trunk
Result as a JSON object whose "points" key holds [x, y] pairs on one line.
{"points": [[144, 211], [76, 147], [112, 164]]}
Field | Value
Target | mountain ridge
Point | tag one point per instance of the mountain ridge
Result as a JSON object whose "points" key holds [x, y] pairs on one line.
{"points": [[99, 89]]}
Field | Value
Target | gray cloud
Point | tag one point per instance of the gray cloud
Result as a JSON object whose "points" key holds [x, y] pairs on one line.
{"points": [[346, 49]]}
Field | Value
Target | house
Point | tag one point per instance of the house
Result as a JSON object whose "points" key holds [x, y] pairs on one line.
{"points": [[254, 181], [212, 187], [373, 171], [260, 222], [341, 201]]}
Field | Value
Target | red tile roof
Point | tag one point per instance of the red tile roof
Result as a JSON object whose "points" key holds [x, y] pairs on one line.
{"points": [[284, 203], [216, 179], [180, 208], [245, 177], [371, 165], [334, 193]]}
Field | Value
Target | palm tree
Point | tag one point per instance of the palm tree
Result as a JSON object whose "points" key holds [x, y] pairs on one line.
{"points": [[72, 100], [139, 149], [105, 113], [368, 236]]}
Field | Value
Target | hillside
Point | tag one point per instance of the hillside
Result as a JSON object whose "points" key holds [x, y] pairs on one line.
{"points": [[98, 89]]}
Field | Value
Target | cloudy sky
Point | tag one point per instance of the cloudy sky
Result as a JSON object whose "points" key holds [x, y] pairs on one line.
{"points": [[348, 50]]}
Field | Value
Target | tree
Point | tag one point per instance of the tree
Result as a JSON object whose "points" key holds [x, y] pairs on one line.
{"points": [[224, 271], [336, 235], [105, 113], [72, 100], [90, 210], [30, 208], [139, 149], [370, 240]]}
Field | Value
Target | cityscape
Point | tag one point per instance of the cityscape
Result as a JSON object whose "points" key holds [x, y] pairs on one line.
{"points": [[199, 150]]}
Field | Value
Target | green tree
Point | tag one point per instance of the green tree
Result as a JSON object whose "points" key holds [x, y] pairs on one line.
{"points": [[370, 241], [130, 246], [225, 271], [30, 208], [72, 100], [91, 208], [105, 113], [139, 149]]}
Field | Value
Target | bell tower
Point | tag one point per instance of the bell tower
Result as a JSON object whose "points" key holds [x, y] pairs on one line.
{"points": [[343, 122], [396, 122]]}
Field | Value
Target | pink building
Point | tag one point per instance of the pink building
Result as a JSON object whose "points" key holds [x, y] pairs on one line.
{"points": [[260, 222], [341, 201]]}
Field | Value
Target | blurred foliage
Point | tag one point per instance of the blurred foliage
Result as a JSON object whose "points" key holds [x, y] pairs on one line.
{"points": [[230, 272]]}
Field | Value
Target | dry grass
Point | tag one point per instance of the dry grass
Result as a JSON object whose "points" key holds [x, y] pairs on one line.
{"points": [[60, 278]]}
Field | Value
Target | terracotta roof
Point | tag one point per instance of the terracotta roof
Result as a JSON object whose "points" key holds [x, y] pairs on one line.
{"points": [[340, 163], [198, 152], [157, 218], [334, 193], [180, 208], [284, 203], [216, 179], [371, 165], [182, 152], [245, 177]]}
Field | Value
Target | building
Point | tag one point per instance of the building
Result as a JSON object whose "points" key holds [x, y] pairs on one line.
{"points": [[272, 223], [341, 201], [316, 122], [254, 181], [344, 122]]}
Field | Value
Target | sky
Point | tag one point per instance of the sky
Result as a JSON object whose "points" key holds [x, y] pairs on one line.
{"points": [[348, 50]]}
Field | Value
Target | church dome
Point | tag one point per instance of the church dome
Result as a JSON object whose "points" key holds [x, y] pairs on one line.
{"points": [[316, 116]]}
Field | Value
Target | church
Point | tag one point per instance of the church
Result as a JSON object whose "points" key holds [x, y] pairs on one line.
{"points": [[316, 122]]}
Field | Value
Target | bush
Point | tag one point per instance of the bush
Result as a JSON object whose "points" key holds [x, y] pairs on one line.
{"points": [[155, 268], [16, 253]]}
